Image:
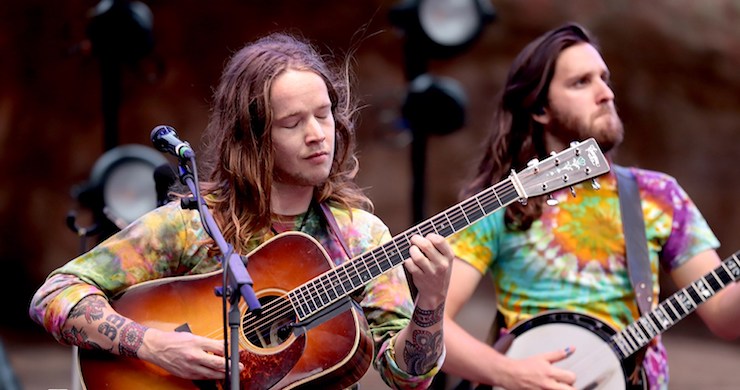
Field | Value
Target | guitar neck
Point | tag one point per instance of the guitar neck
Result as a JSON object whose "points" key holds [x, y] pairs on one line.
{"points": [[319, 293], [582, 161], [676, 307]]}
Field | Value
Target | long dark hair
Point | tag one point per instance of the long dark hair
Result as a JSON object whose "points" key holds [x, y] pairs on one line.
{"points": [[516, 138], [240, 159]]}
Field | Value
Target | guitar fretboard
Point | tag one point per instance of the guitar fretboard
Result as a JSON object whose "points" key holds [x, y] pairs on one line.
{"points": [[676, 307], [321, 292]]}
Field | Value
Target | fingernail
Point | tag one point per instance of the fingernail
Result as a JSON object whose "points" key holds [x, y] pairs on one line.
{"points": [[568, 351]]}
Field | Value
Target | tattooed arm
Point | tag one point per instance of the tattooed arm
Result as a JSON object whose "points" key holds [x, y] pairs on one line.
{"points": [[93, 324], [419, 346]]}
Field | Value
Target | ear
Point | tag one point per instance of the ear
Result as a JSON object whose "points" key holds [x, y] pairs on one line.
{"points": [[541, 115]]}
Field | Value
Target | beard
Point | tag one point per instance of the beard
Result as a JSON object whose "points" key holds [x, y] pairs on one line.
{"points": [[604, 126]]}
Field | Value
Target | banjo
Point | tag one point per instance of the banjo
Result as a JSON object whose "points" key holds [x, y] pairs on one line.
{"points": [[603, 357]]}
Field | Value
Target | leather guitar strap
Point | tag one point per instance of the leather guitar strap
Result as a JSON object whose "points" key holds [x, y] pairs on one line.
{"points": [[638, 258], [633, 224], [358, 295], [329, 217]]}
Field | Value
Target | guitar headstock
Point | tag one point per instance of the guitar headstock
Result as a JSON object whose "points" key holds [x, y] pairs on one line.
{"points": [[581, 161]]}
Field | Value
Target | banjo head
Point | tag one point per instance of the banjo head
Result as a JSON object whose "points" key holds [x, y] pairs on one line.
{"points": [[593, 361]]}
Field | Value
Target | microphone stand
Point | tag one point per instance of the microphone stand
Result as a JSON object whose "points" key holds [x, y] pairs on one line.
{"points": [[237, 282]]}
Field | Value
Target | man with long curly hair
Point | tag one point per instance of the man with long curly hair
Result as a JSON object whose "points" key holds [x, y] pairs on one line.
{"points": [[280, 158]]}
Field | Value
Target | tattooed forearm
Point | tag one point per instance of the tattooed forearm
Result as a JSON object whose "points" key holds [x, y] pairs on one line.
{"points": [[91, 308], [132, 336], [421, 353], [79, 338], [427, 318]]}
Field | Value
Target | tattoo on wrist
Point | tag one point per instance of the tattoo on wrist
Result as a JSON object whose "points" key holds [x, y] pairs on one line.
{"points": [[132, 336], [91, 308], [421, 353], [427, 318]]}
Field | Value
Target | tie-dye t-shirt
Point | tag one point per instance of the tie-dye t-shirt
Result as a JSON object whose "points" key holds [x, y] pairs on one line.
{"points": [[573, 257], [168, 242]]}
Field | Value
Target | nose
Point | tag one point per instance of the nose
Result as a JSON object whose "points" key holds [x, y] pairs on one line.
{"points": [[314, 131], [605, 92]]}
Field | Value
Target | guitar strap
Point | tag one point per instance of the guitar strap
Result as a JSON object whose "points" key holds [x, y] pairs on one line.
{"points": [[633, 224], [638, 258]]}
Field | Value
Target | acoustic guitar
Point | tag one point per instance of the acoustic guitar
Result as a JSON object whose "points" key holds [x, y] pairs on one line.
{"points": [[310, 332], [604, 357]]}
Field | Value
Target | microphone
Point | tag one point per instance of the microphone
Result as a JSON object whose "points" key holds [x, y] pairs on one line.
{"points": [[165, 140], [164, 178]]}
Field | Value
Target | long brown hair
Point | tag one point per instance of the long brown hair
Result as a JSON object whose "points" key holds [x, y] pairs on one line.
{"points": [[240, 159], [516, 138]]}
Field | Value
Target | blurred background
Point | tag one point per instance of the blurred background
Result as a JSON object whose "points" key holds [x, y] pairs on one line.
{"points": [[83, 81]]}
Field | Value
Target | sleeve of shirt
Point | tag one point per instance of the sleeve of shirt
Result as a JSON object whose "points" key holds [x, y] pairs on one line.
{"points": [[150, 248], [690, 233]]}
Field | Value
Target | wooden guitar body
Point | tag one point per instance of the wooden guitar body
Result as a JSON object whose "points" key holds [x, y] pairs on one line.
{"points": [[333, 354]]}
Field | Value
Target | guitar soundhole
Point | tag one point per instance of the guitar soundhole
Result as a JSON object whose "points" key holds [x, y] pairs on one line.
{"points": [[273, 327]]}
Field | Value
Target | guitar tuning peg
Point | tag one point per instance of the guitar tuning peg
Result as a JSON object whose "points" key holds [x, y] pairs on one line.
{"points": [[523, 201], [533, 162], [556, 161], [595, 184], [551, 201], [573, 191]]}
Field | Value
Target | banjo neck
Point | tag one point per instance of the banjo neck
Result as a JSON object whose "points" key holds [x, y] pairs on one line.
{"points": [[675, 308]]}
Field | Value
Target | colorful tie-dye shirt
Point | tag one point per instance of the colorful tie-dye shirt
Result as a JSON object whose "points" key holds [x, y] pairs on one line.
{"points": [[573, 257], [169, 242]]}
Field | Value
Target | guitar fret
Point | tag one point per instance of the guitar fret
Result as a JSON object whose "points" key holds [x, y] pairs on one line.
{"points": [[641, 338], [685, 301], [705, 291], [631, 339], [302, 308], [390, 263], [369, 274], [349, 278], [337, 282], [327, 294], [312, 296], [317, 298], [475, 213], [497, 197], [385, 253], [733, 267], [373, 265], [673, 309], [433, 226], [449, 224], [357, 274], [663, 317], [622, 344], [649, 328], [655, 322], [718, 279], [467, 221]]}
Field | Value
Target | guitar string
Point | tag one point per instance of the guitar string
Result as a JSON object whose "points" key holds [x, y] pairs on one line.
{"points": [[272, 312]]}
